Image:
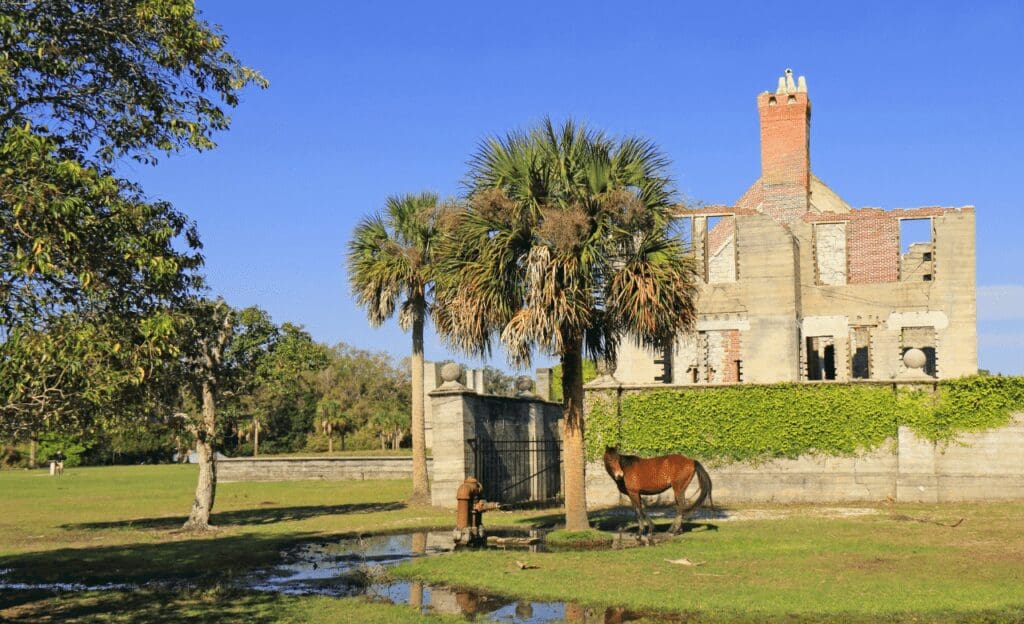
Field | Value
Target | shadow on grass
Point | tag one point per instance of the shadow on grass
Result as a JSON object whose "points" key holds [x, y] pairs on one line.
{"points": [[194, 560], [143, 607], [622, 518], [243, 517]]}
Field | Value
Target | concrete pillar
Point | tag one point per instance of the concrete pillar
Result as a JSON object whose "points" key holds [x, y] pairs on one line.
{"points": [[916, 481], [535, 433], [453, 427], [544, 381]]}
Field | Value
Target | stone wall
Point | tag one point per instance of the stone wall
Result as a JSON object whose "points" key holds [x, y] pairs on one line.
{"points": [[987, 465], [314, 468]]}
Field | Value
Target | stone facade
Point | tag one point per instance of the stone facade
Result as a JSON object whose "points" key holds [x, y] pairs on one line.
{"points": [[800, 286]]}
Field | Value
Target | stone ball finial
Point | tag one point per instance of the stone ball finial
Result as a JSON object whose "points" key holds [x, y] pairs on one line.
{"points": [[451, 372], [914, 359], [524, 385]]}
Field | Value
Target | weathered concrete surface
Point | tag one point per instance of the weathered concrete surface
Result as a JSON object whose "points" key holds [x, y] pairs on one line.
{"points": [[315, 468], [987, 465]]}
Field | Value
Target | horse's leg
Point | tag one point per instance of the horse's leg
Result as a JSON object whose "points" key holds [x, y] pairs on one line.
{"points": [[677, 524], [638, 507], [679, 487], [647, 520]]}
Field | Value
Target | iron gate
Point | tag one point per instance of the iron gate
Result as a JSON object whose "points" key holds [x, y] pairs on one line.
{"points": [[516, 471]]}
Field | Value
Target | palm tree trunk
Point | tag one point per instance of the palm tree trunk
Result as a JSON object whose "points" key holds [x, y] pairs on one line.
{"points": [[206, 488], [32, 451], [572, 438], [420, 484], [330, 442], [255, 437]]}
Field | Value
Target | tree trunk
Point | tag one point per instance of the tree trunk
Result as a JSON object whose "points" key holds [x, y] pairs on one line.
{"points": [[330, 442], [255, 437], [206, 488], [32, 451], [420, 483], [572, 438]]}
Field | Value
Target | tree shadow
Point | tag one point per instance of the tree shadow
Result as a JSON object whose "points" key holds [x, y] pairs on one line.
{"points": [[242, 517], [197, 560], [142, 606]]}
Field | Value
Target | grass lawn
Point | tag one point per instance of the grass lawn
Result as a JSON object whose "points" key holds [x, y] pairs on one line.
{"points": [[895, 565], [118, 524]]}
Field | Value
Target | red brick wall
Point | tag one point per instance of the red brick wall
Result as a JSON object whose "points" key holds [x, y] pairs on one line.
{"points": [[873, 248], [873, 241], [731, 338], [785, 157]]}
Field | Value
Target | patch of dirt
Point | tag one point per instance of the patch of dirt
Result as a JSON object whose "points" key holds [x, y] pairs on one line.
{"points": [[780, 513]]}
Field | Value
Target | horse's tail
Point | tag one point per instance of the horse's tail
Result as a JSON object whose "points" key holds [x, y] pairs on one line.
{"points": [[704, 482]]}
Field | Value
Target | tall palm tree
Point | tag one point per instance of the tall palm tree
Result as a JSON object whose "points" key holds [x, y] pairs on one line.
{"points": [[564, 247], [389, 262]]}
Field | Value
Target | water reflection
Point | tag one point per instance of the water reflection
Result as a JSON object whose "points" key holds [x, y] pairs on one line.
{"points": [[355, 567]]}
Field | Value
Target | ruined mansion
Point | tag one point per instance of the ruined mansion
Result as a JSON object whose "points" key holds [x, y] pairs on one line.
{"points": [[799, 286]]}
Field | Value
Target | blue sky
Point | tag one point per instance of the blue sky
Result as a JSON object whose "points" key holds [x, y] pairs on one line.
{"points": [[914, 104]]}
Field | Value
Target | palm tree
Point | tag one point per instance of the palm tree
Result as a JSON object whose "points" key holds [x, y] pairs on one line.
{"points": [[564, 246], [332, 419], [390, 265]]}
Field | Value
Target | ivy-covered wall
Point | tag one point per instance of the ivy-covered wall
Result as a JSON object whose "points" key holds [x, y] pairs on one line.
{"points": [[753, 423]]}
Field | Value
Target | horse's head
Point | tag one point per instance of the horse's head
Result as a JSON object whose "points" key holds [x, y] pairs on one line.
{"points": [[612, 463]]}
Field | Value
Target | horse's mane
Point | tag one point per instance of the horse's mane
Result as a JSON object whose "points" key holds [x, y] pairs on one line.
{"points": [[628, 460]]}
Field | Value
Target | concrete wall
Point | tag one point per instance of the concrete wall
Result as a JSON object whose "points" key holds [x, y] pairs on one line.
{"points": [[461, 415], [314, 468]]}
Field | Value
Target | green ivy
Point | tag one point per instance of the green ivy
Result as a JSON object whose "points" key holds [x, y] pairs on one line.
{"points": [[757, 423], [589, 374]]}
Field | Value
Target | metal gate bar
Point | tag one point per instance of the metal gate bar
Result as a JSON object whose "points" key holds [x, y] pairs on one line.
{"points": [[514, 471]]}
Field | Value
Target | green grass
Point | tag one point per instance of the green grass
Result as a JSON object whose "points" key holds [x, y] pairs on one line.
{"points": [[120, 524], [870, 568], [587, 539]]}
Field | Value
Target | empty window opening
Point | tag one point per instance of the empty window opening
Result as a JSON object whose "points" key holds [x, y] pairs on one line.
{"points": [[666, 366], [681, 228], [720, 249], [830, 253], [821, 358], [860, 352], [917, 249], [922, 338]]}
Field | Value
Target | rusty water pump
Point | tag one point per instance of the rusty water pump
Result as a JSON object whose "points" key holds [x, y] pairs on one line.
{"points": [[469, 511]]}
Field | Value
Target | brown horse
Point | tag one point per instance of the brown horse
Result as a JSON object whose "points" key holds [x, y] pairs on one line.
{"points": [[637, 477]]}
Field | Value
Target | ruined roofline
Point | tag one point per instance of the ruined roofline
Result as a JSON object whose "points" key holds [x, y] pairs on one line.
{"points": [[899, 213]]}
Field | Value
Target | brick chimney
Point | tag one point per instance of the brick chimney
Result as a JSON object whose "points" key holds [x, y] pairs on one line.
{"points": [[785, 144]]}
